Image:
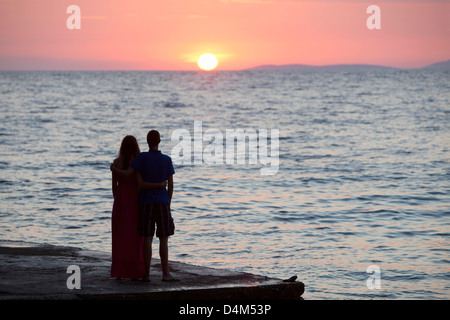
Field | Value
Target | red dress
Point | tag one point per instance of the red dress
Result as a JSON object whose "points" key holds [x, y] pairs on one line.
{"points": [[127, 244]]}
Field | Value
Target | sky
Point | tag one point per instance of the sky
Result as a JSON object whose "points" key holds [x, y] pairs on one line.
{"points": [[172, 34]]}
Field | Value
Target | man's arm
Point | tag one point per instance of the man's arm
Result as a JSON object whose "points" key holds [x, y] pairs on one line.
{"points": [[149, 185], [170, 188]]}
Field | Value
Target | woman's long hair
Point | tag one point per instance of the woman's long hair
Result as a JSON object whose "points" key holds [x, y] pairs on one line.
{"points": [[128, 150]]}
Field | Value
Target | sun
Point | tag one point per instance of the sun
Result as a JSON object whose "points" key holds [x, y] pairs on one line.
{"points": [[207, 61]]}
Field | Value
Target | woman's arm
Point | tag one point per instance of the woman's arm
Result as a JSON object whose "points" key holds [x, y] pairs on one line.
{"points": [[149, 185], [121, 173], [114, 179]]}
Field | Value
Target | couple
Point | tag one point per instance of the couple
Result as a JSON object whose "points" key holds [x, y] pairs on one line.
{"points": [[141, 200]]}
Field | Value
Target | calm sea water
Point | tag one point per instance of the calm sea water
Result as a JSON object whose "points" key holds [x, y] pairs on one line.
{"points": [[363, 177]]}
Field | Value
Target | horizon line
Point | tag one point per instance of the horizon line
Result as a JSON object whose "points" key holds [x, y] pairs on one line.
{"points": [[273, 67]]}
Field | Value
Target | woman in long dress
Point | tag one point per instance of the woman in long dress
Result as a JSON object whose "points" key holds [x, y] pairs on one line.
{"points": [[127, 244]]}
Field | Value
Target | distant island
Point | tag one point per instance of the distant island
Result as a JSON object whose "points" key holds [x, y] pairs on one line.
{"points": [[438, 65]]}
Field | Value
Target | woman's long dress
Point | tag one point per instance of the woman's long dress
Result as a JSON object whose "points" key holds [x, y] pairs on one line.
{"points": [[127, 244]]}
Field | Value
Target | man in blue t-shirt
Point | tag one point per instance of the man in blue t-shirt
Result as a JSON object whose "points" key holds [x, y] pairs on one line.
{"points": [[154, 204]]}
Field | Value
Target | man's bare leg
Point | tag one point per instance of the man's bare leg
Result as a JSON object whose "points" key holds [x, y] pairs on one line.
{"points": [[164, 255]]}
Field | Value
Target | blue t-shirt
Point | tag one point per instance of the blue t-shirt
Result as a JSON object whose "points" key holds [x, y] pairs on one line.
{"points": [[154, 166]]}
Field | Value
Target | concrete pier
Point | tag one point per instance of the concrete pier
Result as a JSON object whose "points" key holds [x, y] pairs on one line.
{"points": [[30, 271]]}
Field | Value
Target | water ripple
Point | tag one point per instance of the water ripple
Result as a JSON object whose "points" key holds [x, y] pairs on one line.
{"points": [[362, 179]]}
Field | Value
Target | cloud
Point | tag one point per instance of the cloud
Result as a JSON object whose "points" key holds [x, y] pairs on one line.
{"points": [[195, 16], [93, 17]]}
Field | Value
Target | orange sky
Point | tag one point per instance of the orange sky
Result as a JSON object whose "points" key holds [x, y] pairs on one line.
{"points": [[171, 34]]}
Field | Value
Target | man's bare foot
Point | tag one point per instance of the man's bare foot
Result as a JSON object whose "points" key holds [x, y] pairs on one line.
{"points": [[169, 278]]}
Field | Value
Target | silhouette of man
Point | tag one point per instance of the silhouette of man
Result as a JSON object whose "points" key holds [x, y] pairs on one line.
{"points": [[154, 204]]}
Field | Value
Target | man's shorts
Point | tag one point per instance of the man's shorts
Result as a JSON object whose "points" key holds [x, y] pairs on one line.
{"points": [[155, 213]]}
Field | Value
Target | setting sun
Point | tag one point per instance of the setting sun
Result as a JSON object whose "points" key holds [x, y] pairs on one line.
{"points": [[207, 61]]}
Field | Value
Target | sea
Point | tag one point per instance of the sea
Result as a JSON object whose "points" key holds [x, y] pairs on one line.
{"points": [[357, 208]]}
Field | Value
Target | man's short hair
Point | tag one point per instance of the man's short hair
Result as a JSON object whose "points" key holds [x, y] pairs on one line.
{"points": [[153, 138]]}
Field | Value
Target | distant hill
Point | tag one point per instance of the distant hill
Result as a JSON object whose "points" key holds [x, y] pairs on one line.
{"points": [[308, 67], [439, 65], [284, 67]]}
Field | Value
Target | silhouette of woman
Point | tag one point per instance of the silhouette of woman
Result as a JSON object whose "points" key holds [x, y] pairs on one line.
{"points": [[127, 244]]}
